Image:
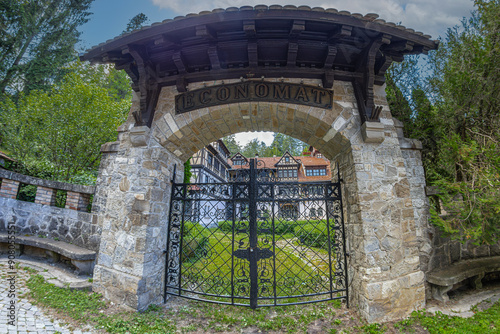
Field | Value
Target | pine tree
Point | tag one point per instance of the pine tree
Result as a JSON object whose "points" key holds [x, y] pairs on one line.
{"points": [[37, 37]]}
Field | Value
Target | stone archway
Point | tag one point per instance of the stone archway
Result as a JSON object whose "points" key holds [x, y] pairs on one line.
{"points": [[385, 227]]}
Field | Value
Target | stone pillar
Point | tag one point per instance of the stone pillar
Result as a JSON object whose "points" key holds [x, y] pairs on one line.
{"points": [[9, 188], [411, 151], [45, 196], [385, 278], [136, 185], [77, 201]]}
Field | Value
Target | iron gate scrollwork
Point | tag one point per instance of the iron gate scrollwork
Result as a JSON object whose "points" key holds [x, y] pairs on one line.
{"points": [[256, 241]]}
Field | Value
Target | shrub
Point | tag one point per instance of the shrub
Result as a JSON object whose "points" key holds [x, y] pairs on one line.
{"points": [[315, 234], [280, 226], [195, 242]]}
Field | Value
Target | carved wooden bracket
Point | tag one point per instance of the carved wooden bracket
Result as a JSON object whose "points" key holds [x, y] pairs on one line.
{"points": [[142, 74], [363, 88]]}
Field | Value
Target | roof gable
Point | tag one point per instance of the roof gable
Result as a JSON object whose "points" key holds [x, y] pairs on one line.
{"points": [[287, 160]]}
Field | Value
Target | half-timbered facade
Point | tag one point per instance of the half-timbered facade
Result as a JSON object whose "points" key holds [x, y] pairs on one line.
{"points": [[210, 164], [288, 168]]}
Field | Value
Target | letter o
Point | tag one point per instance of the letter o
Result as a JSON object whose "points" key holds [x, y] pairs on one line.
{"points": [[261, 90], [223, 93]]}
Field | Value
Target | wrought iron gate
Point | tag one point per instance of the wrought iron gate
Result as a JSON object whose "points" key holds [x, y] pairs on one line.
{"points": [[256, 241]]}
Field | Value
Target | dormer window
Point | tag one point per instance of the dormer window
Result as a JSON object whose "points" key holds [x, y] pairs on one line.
{"points": [[316, 171]]}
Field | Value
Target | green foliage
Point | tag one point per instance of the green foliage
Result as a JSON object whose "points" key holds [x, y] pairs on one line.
{"points": [[37, 37], [231, 144], [281, 227], [254, 148], [27, 193], [195, 241], [455, 112], [58, 134], [487, 321], [466, 82], [85, 307], [315, 234], [136, 22], [77, 304], [281, 144], [187, 171]]}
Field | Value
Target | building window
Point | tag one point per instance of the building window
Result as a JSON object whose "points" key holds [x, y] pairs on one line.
{"points": [[216, 166], [312, 212], [287, 159], [210, 160], [315, 171], [238, 162], [287, 173]]}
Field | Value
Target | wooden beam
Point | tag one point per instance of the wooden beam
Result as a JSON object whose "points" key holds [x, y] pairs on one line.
{"points": [[179, 62], [328, 79], [253, 57], [381, 67], [345, 30], [330, 57], [205, 32], [181, 84], [384, 65], [369, 72], [249, 28], [214, 57], [257, 72], [297, 27], [293, 49]]}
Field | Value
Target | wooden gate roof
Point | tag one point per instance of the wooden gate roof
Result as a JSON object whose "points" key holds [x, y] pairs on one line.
{"points": [[251, 42]]}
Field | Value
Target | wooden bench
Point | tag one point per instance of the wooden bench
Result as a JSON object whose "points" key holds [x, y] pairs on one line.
{"points": [[83, 259], [442, 280]]}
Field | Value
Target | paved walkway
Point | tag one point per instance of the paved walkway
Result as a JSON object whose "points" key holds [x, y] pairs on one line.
{"points": [[28, 317]]}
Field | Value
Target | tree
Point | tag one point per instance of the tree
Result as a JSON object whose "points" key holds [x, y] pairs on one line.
{"points": [[254, 148], [283, 143], [466, 84], [58, 133], [136, 22], [37, 37], [187, 171], [231, 144]]}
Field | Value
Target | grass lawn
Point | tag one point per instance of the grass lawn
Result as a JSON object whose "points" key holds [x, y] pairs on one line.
{"points": [[198, 317], [210, 268]]}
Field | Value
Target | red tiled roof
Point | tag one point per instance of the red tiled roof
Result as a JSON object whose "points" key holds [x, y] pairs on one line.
{"points": [[305, 161]]}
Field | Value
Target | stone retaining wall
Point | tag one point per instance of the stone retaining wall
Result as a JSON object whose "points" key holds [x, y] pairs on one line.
{"points": [[446, 251], [72, 224], [48, 221]]}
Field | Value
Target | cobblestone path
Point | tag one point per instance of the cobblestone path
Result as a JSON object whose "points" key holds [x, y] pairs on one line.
{"points": [[28, 317]]}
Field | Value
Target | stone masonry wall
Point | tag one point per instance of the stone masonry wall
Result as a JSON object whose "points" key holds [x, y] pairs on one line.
{"points": [[52, 222], [385, 278], [446, 251], [133, 189], [386, 281]]}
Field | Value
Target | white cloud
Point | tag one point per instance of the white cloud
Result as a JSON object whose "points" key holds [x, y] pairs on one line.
{"points": [[428, 16], [244, 138]]}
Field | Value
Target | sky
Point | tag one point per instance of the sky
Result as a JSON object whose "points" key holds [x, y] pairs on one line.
{"points": [[432, 17]]}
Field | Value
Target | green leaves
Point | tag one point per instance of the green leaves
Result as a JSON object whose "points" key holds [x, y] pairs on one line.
{"points": [[37, 37], [61, 131], [455, 112]]}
